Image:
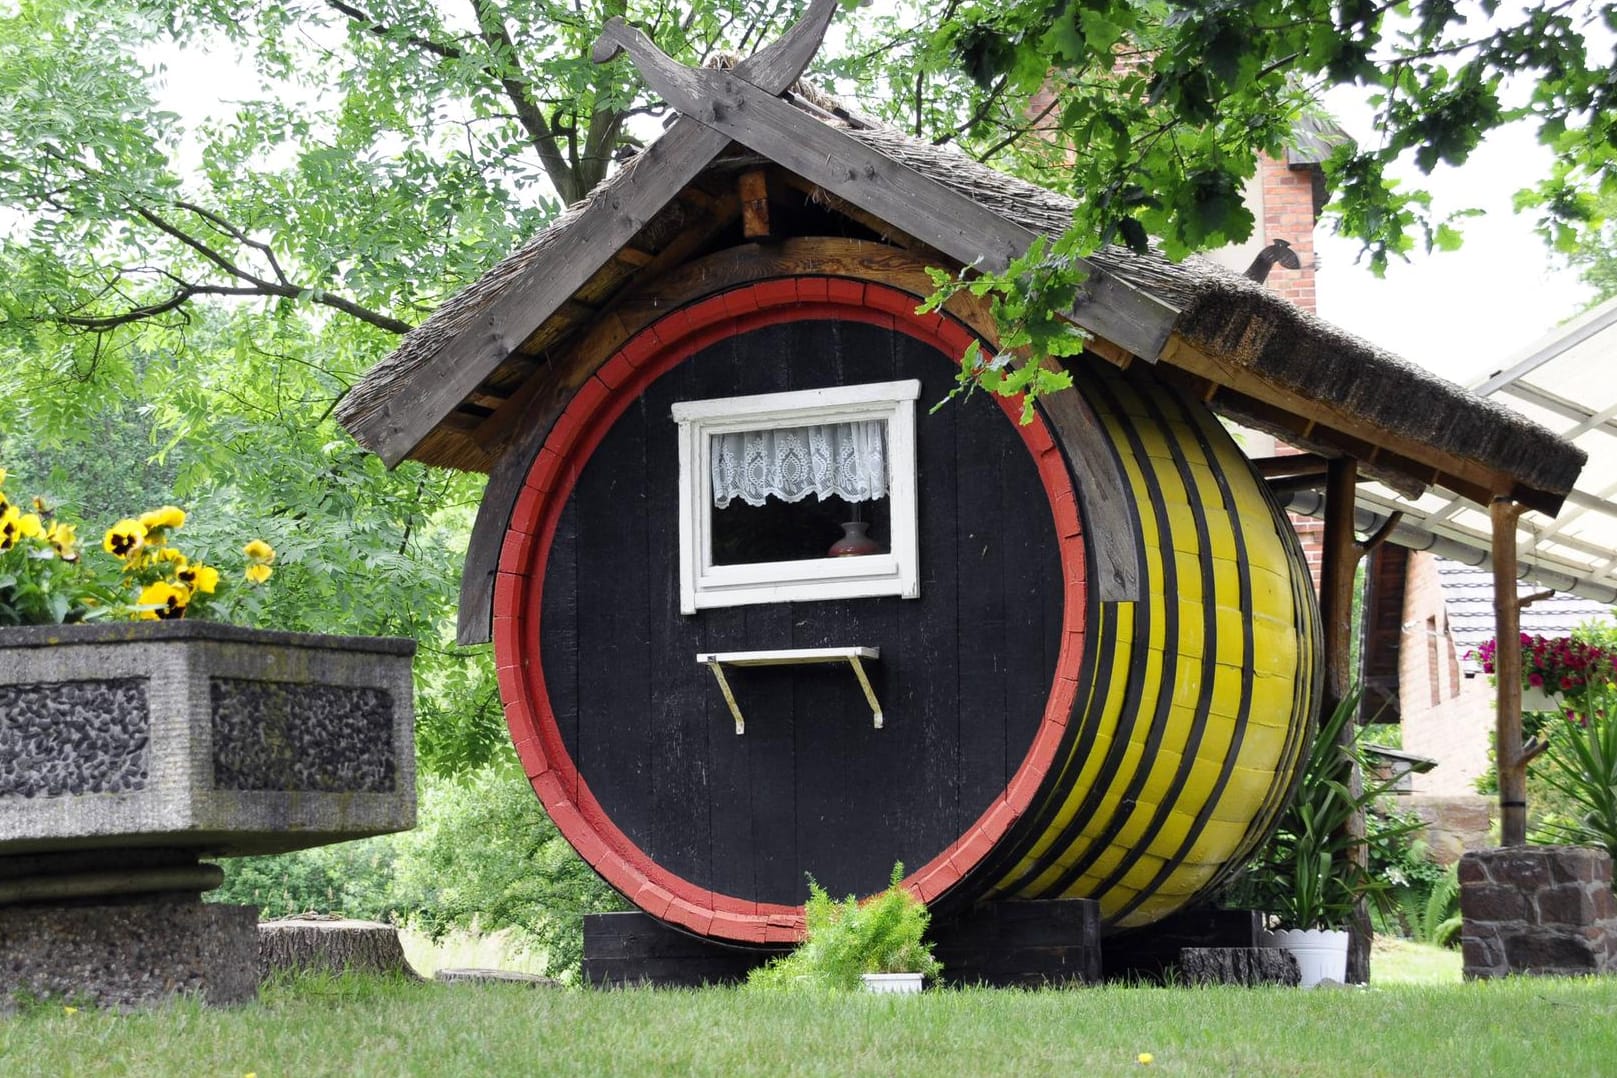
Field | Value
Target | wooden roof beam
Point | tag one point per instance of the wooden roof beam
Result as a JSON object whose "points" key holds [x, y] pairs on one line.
{"points": [[1373, 446]]}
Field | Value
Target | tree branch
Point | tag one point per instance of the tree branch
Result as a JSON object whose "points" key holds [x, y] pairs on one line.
{"points": [[393, 33], [529, 115]]}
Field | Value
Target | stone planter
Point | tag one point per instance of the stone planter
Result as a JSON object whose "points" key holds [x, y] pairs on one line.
{"points": [[201, 736], [130, 751]]}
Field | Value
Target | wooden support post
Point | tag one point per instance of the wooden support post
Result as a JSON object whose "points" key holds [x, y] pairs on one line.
{"points": [[1341, 561], [1507, 666], [754, 190]]}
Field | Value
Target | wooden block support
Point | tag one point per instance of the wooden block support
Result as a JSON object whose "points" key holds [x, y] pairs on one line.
{"points": [[1247, 966], [1147, 953], [1025, 944], [754, 190]]}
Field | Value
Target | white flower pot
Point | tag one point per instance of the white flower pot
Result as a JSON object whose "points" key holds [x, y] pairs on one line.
{"points": [[892, 982], [1321, 954], [1534, 698]]}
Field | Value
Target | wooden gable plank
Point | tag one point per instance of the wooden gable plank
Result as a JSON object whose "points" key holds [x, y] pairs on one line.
{"points": [[946, 220]]}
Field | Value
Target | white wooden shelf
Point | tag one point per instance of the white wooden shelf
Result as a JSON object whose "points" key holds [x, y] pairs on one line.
{"points": [[716, 661]]}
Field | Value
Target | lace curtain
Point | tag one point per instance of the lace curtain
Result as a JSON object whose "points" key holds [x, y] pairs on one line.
{"points": [[845, 459]]}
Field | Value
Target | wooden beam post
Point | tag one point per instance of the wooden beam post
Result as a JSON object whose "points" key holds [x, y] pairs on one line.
{"points": [[1341, 562], [753, 186], [1507, 666]]}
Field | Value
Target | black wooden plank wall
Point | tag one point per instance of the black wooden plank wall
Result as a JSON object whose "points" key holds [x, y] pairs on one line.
{"points": [[810, 787]]}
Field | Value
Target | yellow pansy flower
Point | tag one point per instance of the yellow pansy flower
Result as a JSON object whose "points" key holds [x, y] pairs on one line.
{"points": [[30, 526], [65, 539], [10, 528], [125, 538], [199, 577], [259, 551], [166, 600], [170, 516], [258, 572]]}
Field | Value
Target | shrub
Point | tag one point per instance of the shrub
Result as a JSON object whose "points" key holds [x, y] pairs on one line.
{"points": [[846, 939]]}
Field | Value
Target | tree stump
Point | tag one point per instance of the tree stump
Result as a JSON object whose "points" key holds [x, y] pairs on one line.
{"points": [[1237, 965], [331, 944]]}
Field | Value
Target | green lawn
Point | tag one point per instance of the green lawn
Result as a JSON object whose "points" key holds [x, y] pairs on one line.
{"points": [[369, 1027]]}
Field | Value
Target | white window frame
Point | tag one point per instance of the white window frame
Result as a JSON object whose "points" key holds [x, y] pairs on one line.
{"points": [[703, 585]]}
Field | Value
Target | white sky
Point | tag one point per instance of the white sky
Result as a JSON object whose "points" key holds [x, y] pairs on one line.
{"points": [[1461, 314]]}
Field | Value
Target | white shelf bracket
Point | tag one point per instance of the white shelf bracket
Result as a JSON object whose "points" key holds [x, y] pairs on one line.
{"points": [[854, 657]]}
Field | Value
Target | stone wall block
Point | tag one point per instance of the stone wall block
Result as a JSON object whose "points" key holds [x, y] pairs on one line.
{"points": [[1551, 953], [1566, 904], [1495, 902], [1473, 870], [1538, 910], [1575, 864]]}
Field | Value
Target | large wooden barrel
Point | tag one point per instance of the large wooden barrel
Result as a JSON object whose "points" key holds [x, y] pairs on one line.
{"points": [[1035, 740]]}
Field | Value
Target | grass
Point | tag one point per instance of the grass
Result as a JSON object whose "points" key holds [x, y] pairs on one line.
{"points": [[315, 1026]]}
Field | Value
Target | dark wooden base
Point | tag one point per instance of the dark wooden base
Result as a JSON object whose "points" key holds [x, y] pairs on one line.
{"points": [[1147, 953], [1022, 944], [628, 949], [1000, 943]]}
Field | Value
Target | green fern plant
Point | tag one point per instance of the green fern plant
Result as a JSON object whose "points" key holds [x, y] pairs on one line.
{"points": [[886, 934]]}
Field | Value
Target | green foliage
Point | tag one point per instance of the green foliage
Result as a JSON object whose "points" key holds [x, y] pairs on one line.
{"points": [[1306, 875], [1435, 918], [1581, 764], [886, 934], [483, 857], [489, 858], [355, 879]]}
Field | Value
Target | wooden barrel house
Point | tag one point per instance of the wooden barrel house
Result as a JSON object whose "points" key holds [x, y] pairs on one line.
{"points": [[762, 611]]}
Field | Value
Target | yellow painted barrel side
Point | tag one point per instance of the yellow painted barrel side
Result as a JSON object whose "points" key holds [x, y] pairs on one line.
{"points": [[1199, 699]]}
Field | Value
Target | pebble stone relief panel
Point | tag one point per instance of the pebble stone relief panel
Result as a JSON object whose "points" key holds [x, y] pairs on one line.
{"points": [[73, 737], [282, 735]]}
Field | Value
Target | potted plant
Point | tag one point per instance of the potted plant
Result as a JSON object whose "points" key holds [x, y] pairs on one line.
{"points": [[1306, 877], [879, 944]]}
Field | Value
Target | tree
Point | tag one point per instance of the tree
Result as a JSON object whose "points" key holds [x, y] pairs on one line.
{"points": [[1168, 105]]}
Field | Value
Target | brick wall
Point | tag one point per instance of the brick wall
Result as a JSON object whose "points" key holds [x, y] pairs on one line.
{"points": [[1454, 729], [1288, 214]]}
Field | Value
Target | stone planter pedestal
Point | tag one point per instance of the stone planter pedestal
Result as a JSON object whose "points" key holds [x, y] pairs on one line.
{"points": [[131, 752], [1538, 910]]}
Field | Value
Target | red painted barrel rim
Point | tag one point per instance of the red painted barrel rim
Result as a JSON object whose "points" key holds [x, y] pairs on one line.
{"points": [[519, 585]]}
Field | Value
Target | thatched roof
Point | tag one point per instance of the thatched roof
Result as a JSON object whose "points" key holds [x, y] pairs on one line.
{"points": [[1261, 357]]}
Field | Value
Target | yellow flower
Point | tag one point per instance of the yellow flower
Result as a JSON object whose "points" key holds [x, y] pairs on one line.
{"points": [[259, 551], [199, 577], [64, 538], [125, 538], [164, 601], [70, 1010], [2, 475], [167, 517], [1145, 1058], [10, 528], [258, 572], [30, 526], [168, 554]]}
